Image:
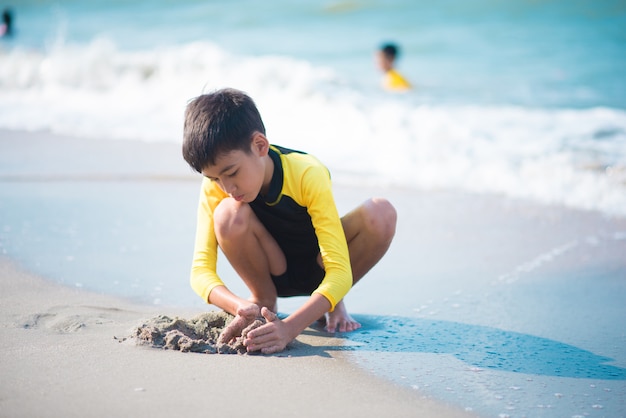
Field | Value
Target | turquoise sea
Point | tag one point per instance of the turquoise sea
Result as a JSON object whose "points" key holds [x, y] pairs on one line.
{"points": [[535, 53], [525, 98]]}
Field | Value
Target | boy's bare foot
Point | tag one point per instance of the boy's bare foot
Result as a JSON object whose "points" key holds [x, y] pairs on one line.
{"points": [[340, 320]]}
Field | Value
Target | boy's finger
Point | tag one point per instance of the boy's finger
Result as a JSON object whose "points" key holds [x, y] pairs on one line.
{"points": [[225, 336], [230, 332], [268, 315]]}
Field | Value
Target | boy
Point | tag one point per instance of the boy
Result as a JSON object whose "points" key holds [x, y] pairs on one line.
{"points": [[392, 80], [272, 213]]}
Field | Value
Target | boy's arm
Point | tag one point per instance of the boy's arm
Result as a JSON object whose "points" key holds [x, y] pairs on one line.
{"points": [[204, 279], [223, 298], [320, 203]]}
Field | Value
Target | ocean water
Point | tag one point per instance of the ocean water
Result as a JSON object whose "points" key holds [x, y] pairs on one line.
{"points": [[524, 98]]}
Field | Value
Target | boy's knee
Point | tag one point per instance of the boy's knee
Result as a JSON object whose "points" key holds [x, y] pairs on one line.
{"points": [[380, 217], [231, 218]]}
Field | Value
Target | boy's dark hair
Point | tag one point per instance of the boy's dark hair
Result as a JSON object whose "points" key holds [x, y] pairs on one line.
{"points": [[218, 123], [390, 50]]}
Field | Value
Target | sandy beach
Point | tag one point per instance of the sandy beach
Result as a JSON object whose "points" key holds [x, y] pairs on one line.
{"points": [[61, 349], [60, 359], [484, 305]]}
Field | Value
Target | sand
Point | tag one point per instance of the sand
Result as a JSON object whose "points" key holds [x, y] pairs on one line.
{"points": [[61, 356], [197, 335]]}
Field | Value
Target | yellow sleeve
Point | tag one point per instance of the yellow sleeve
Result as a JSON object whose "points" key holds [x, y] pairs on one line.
{"points": [[204, 276], [318, 198]]}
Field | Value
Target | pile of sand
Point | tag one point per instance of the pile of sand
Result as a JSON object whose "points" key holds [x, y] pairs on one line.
{"points": [[199, 334]]}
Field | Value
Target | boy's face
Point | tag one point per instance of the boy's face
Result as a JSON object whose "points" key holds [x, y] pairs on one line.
{"points": [[240, 174], [383, 62]]}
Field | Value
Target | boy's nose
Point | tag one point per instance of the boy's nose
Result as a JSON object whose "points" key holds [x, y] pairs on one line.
{"points": [[229, 187]]}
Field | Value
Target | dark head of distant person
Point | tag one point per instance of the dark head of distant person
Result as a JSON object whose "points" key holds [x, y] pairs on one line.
{"points": [[6, 27]]}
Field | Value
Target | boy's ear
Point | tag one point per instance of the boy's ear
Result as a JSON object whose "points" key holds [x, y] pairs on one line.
{"points": [[260, 144]]}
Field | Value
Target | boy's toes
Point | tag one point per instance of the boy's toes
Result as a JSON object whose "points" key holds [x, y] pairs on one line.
{"points": [[342, 326], [331, 327], [354, 326], [347, 326]]}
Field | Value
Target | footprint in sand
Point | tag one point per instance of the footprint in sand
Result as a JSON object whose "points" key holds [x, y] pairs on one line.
{"points": [[68, 319]]}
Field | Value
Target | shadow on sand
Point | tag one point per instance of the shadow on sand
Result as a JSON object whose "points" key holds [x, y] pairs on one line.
{"points": [[476, 345]]}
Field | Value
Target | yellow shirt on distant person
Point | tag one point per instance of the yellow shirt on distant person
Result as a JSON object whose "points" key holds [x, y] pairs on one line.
{"points": [[395, 82]]}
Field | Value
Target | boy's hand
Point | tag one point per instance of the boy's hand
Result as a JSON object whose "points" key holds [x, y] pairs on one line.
{"points": [[269, 338], [245, 316]]}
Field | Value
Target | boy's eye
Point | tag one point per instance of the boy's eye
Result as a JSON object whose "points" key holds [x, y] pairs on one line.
{"points": [[233, 174]]}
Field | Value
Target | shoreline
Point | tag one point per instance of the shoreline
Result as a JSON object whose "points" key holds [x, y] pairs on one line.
{"points": [[466, 278]]}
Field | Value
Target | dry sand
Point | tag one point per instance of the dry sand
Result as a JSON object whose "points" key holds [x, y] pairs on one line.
{"points": [[59, 357]]}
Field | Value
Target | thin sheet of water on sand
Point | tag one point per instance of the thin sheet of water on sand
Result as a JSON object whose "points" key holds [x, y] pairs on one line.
{"points": [[503, 307]]}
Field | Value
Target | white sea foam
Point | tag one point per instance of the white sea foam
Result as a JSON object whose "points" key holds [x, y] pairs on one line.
{"points": [[575, 157]]}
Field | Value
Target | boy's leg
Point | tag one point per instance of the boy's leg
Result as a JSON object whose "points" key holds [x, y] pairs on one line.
{"points": [[250, 249], [369, 230]]}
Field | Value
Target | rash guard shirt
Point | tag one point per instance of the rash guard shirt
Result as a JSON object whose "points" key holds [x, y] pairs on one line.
{"points": [[300, 193]]}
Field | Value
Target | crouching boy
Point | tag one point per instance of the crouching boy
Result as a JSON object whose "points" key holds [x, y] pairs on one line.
{"points": [[271, 211]]}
